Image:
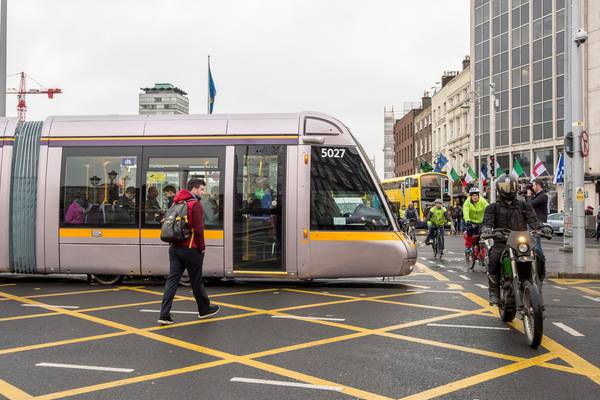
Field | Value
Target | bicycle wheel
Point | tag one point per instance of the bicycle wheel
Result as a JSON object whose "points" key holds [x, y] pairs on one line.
{"points": [[483, 257], [434, 245], [474, 255]]}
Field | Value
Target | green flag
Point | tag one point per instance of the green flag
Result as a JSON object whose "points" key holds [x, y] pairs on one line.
{"points": [[517, 170], [453, 175], [498, 168], [470, 176], [425, 167]]}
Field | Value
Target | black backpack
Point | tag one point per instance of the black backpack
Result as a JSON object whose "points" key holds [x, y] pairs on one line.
{"points": [[175, 227]]}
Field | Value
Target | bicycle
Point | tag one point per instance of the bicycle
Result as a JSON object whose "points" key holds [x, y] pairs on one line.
{"points": [[411, 232], [478, 254], [437, 243]]}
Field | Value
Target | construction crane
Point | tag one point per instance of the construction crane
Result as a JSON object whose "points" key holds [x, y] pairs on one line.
{"points": [[22, 91]]}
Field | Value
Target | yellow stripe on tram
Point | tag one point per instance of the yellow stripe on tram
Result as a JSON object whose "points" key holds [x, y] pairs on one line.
{"points": [[115, 233], [353, 236]]}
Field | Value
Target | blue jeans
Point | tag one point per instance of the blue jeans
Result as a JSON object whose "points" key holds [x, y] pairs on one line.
{"points": [[538, 247]]}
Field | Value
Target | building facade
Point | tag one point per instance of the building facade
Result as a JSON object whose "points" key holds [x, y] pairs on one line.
{"points": [[164, 99], [423, 133], [388, 142], [451, 110], [404, 144], [520, 45]]}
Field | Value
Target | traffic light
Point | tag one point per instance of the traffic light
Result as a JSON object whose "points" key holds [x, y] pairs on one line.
{"points": [[492, 165], [446, 185], [569, 144]]}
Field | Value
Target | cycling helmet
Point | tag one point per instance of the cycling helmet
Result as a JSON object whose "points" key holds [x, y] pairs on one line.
{"points": [[473, 190], [506, 186], [438, 201]]}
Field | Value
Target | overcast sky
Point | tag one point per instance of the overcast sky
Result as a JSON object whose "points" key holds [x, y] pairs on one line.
{"points": [[346, 58]]}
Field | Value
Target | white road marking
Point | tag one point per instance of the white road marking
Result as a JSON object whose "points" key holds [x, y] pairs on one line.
{"points": [[472, 327], [441, 265], [172, 312], [481, 286], [308, 318], [568, 329], [466, 278], [48, 305], [556, 300], [451, 252], [416, 286], [431, 262], [597, 299], [451, 270], [559, 287], [90, 367], [283, 383]]}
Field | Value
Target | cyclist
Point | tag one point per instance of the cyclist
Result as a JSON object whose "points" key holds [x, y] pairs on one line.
{"points": [[473, 210], [511, 213], [402, 217], [437, 217]]}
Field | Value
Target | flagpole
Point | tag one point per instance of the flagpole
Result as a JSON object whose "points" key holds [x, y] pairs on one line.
{"points": [[208, 87]]}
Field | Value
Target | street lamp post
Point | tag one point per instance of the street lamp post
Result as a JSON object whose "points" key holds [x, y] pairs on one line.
{"points": [[492, 173]]}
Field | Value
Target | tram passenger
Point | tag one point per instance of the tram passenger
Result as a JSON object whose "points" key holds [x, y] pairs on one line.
{"points": [[77, 210], [211, 207], [154, 212], [188, 254], [169, 192], [263, 192], [126, 206]]}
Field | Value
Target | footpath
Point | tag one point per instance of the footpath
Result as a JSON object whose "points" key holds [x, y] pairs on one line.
{"points": [[559, 264]]}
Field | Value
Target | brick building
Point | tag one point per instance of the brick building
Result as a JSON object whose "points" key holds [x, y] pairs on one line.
{"points": [[404, 153]]}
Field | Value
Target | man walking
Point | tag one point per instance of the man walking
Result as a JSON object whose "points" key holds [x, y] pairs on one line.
{"points": [[188, 254], [539, 202]]}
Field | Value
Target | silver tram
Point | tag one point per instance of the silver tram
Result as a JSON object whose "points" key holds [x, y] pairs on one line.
{"points": [[288, 196]]}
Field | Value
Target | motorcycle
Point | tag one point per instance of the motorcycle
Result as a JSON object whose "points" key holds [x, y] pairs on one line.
{"points": [[520, 283]]}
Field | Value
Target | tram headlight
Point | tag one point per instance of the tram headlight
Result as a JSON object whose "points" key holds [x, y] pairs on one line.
{"points": [[523, 247]]}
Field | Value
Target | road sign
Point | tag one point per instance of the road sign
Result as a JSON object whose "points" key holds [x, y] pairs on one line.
{"points": [[579, 194], [585, 144]]}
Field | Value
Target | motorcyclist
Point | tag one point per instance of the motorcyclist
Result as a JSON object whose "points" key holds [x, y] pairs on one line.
{"points": [[437, 217], [512, 213], [473, 211]]}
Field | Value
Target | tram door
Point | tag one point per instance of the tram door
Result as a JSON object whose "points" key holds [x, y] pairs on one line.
{"points": [[258, 239]]}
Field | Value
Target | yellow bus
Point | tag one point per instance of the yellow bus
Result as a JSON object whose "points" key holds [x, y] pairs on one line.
{"points": [[421, 190]]}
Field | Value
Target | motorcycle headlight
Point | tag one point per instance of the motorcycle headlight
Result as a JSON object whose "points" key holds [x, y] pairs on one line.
{"points": [[523, 247]]}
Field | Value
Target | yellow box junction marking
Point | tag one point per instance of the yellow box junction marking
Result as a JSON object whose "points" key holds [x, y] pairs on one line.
{"points": [[428, 271], [579, 365]]}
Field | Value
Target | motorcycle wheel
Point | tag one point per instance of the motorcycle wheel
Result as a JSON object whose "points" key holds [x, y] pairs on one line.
{"points": [[533, 318], [507, 311]]}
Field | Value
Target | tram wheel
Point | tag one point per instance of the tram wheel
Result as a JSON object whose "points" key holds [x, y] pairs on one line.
{"points": [[107, 279]]}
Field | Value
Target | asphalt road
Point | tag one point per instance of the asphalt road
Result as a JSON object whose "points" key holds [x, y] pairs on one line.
{"points": [[427, 335]]}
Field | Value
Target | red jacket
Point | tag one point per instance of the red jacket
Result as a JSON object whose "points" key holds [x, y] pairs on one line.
{"points": [[195, 219]]}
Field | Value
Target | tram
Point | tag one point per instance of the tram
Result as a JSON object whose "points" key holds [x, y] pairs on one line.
{"points": [[288, 196]]}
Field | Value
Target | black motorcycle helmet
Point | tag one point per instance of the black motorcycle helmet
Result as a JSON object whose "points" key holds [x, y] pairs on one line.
{"points": [[506, 187]]}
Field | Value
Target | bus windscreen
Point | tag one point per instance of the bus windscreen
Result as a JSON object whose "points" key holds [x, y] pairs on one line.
{"points": [[431, 187]]}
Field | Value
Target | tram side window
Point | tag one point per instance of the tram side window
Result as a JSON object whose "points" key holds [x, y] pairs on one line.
{"points": [[343, 196], [99, 190], [165, 176]]}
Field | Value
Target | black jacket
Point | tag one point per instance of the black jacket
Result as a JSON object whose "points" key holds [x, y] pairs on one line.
{"points": [[515, 216], [411, 214], [539, 202]]}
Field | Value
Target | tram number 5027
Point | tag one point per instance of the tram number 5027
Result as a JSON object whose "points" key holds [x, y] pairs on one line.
{"points": [[333, 153]]}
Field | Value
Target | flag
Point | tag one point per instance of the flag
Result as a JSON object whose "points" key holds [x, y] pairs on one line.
{"points": [[441, 162], [470, 176], [559, 174], [539, 167], [425, 167], [498, 168], [454, 175], [212, 91], [517, 170], [483, 174]]}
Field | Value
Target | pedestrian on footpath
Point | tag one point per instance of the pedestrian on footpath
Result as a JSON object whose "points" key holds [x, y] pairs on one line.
{"points": [[539, 202], [188, 254]]}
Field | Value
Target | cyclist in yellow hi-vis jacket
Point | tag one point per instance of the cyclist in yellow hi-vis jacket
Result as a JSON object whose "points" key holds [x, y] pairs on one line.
{"points": [[437, 218]]}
